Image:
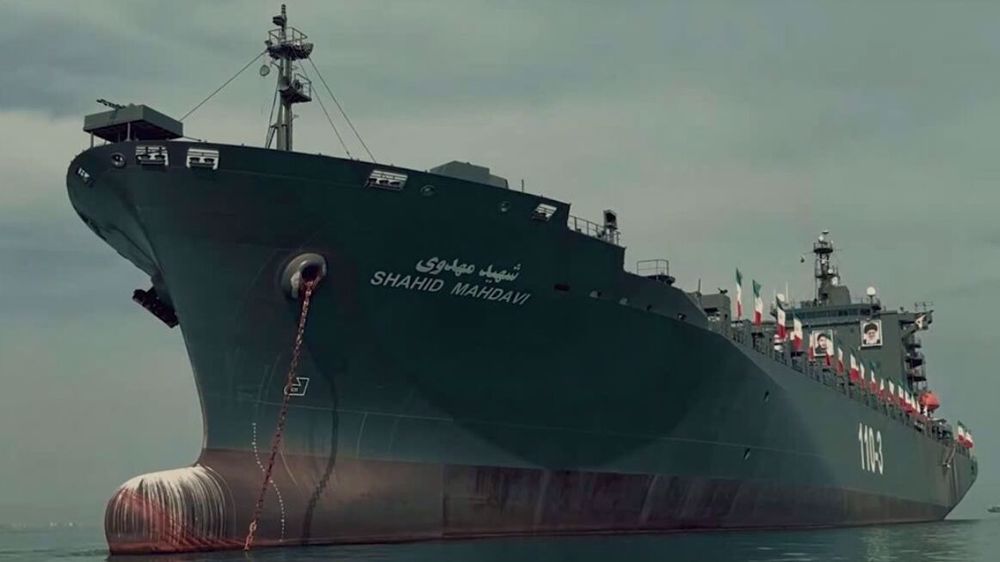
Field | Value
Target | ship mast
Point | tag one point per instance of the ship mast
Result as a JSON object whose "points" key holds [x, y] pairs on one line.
{"points": [[285, 45], [825, 272]]}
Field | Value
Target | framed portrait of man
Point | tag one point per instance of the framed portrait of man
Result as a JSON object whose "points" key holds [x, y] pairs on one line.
{"points": [[871, 333], [822, 341]]}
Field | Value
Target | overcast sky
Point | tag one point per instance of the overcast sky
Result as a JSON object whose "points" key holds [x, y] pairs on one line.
{"points": [[723, 133]]}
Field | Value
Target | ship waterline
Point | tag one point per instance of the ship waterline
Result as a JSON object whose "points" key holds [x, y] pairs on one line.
{"points": [[376, 501], [471, 367]]}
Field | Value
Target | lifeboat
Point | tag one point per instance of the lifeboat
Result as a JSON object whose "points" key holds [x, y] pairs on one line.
{"points": [[930, 401]]}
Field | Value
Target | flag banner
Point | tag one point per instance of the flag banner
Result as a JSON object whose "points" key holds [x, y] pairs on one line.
{"points": [[758, 305], [782, 331], [854, 373], [840, 360], [797, 335], [961, 436], [739, 295]]}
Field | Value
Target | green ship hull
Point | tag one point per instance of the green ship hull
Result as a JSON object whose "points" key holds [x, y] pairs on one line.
{"points": [[556, 393]]}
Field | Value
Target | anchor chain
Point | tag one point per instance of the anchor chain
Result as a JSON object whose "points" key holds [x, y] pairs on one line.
{"points": [[308, 286]]}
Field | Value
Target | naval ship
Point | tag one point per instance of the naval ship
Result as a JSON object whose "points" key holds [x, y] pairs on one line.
{"points": [[385, 354]]}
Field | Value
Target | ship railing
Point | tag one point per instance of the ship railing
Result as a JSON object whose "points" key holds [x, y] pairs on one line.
{"points": [[292, 36], [742, 333], [594, 230], [651, 268]]}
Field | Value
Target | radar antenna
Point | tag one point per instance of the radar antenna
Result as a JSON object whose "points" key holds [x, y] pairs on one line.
{"points": [[285, 45], [110, 104]]}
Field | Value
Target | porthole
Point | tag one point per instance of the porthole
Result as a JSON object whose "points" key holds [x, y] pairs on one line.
{"points": [[504, 206], [427, 190], [746, 454], [118, 160]]}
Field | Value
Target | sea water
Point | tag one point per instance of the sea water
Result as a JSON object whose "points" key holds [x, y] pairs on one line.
{"points": [[959, 540]]}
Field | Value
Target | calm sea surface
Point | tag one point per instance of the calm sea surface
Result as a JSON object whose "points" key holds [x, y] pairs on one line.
{"points": [[949, 540]]}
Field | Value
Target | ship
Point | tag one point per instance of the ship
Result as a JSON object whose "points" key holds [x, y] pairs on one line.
{"points": [[384, 354]]}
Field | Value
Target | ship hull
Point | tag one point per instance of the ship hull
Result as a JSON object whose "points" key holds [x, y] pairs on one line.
{"points": [[556, 394], [377, 501]]}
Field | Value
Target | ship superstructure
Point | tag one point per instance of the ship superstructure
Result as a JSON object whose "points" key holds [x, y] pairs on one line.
{"points": [[387, 354]]}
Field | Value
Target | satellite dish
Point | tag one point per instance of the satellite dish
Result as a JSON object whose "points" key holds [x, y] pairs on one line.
{"points": [[870, 291], [265, 69]]}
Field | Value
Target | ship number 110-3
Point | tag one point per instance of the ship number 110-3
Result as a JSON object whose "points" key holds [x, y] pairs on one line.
{"points": [[870, 442]]}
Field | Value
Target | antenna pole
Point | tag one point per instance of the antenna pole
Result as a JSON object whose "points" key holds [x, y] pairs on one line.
{"points": [[286, 45], [285, 78], [825, 272]]}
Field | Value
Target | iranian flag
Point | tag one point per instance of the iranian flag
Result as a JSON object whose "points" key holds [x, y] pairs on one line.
{"points": [[881, 388], [796, 334], [874, 382], [739, 294], [840, 360], [861, 376], [812, 347], [962, 436], [828, 355], [854, 375], [969, 439], [891, 393], [758, 305], [782, 331], [899, 395]]}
